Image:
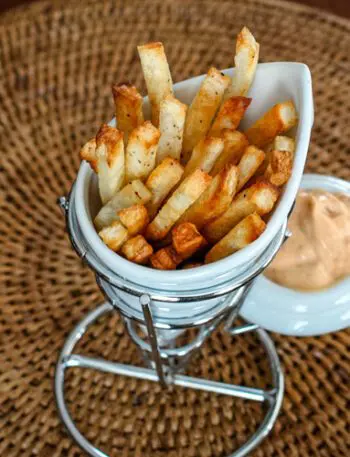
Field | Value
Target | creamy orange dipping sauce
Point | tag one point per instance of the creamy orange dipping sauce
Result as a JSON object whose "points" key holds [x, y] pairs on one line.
{"points": [[318, 252]]}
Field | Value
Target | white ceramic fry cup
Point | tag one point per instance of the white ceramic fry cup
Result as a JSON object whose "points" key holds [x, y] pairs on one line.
{"points": [[274, 82]]}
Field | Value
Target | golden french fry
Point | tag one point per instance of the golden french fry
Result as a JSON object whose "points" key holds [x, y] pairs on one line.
{"points": [[165, 259], [278, 163], [251, 160], [114, 235], [183, 197], [161, 181], [279, 168], [141, 151], [280, 143], [131, 194], [110, 161], [277, 120], [246, 60], [128, 108], [244, 233], [137, 250], [202, 110], [235, 143], [229, 115], [214, 200], [135, 218], [88, 153], [204, 155], [186, 239], [171, 125], [157, 75], [260, 198], [189, 265]]}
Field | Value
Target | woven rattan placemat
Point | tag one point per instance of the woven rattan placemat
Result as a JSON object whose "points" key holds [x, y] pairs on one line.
{"points": [[58, 61]]}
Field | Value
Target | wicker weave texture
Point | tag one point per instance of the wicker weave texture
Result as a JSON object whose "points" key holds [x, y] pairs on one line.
{"points": [[58, 61]]}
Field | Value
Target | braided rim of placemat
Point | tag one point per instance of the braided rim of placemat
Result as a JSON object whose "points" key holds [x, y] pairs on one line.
{"points": [[58, 62]]}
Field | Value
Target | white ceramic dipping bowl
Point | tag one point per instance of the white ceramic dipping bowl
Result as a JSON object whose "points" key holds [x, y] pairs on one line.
{"points": [[274, 82], [291, 312]]}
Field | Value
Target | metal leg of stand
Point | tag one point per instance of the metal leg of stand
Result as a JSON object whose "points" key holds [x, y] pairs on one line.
{"points": [[234, 313], [175, 358], [273, 398], [145, 302]]}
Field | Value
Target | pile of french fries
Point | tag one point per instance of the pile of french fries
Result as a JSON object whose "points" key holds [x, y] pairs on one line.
{"points": [[187, 187]]}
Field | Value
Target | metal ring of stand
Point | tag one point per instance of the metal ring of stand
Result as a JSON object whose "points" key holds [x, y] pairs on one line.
{"points": [[68, 359], [161, 359]]}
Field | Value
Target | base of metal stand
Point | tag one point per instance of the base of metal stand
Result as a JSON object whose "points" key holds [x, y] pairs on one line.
{"points": [[272, 398]]}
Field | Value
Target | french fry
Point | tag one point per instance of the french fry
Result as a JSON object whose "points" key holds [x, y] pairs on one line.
{"points": [[202, 110], [137, 250], [135, 218], [114, 235], [249, 164], [279, 119], [161, 181], [214, 200], [260, 198], [229, 115], [204, 155], [244, 233], [110, 161], [235, 143], [183, 197], [189, 265], [141, 151], [278, 163], [131, 194], [171, 125], [282, 143], [280, 166], [128, 108], [186, 239], [246, 60], [157, 75], [165, 259], [88, 153]]}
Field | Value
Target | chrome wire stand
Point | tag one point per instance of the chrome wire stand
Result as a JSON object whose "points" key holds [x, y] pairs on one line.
{"points": [[166, 362]]}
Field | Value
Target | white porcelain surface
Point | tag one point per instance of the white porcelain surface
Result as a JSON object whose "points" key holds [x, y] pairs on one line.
{"points": [[289, 312], [274, 82]]}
